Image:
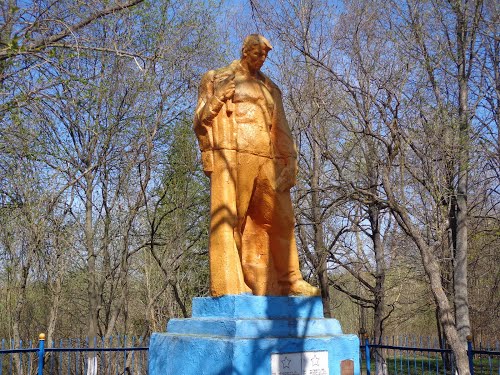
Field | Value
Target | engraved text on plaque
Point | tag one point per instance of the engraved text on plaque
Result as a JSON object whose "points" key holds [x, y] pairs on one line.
{"points": [[305, 363]]}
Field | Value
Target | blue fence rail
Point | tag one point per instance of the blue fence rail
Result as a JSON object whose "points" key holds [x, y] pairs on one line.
{"points": [[409, 356], [128, 355], [115, 355]]}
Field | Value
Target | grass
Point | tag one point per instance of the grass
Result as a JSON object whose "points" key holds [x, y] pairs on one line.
{"points": [[421, 365]]}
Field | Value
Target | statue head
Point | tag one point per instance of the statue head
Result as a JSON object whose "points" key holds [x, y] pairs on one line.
{"points": [[254, 50], [253, 40]]}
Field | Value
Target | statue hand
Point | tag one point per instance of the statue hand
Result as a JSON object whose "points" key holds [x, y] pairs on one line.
{"points": [[224, 87]]}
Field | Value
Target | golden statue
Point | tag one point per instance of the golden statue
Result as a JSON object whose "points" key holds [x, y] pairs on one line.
{"points": [[250, 156]]}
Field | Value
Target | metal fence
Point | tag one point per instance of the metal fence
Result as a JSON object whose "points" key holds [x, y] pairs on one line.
{"points": [[128, 355], [115, 355], [405, 355]]}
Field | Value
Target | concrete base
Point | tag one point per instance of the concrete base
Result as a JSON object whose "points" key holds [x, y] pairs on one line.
{"points": [[240, 334]]}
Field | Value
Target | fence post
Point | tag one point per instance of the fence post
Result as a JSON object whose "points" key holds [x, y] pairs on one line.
{"points": [[41, 352], [470, 354], [367, 354]]}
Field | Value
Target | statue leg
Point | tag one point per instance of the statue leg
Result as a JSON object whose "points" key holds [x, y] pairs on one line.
{"points": [[226, 276], [282, 240], [251, 233], [247, 170], [284, 249], [280, 225]]}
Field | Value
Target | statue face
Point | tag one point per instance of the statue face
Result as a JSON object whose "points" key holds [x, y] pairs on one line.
{"points": [[255, 56]]}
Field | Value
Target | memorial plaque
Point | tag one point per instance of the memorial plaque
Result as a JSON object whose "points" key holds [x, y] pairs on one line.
{"points": [[305, 363]]}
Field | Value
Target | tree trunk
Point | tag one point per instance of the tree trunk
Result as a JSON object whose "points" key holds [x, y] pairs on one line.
{"points": [[461, 298], [20, 304], [319, 244], [379, 354], [431, 267], [92, 274], [379, 291], [54, 308]]}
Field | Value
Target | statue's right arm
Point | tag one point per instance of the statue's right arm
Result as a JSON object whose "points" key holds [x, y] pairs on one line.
{"points": [[206, 110], [208, 104]]}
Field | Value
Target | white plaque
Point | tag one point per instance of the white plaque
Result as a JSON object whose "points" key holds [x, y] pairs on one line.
{"points": [[305, 363]]}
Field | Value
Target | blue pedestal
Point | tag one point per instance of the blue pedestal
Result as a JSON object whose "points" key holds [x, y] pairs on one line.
{"points": [[239, 335]]}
